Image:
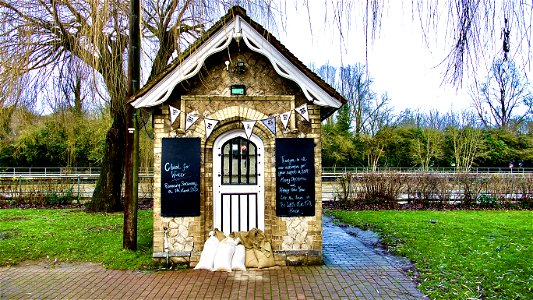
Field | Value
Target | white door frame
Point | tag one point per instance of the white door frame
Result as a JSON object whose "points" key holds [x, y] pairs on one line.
{"points": [[237, 191]]}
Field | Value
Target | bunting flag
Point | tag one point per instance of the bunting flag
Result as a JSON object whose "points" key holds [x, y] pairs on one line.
{"points": [[270, 123], [174, 113], [190, 120], [248, 127], [209, 126], [302, 110], [285, 119]]}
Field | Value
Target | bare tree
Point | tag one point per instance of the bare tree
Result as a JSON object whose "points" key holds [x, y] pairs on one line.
{"points": [[380, 114], [374, 150], [374, 147], [428, 144], [356, 88], [368, 112], [466, 140], [328, 73], [504, 98]]}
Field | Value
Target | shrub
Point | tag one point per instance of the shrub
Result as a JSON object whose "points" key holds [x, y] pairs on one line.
{"points": [[370, 190], [59, 199], [434, 190], [425, 188], [486, 201], [344, 194]]}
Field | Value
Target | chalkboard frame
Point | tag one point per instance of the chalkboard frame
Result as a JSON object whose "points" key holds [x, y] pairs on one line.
{"points": [[296, 155], [180, 177]]}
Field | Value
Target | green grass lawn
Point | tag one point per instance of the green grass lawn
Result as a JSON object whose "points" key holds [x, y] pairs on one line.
{"points": [[461, 254], [72, 235], [478, 254]]}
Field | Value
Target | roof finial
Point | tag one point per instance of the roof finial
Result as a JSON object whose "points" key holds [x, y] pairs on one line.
{"points": [[237, 9]]}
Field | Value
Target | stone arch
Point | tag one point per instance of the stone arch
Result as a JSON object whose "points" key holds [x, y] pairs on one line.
{"points": [[229, 119]]}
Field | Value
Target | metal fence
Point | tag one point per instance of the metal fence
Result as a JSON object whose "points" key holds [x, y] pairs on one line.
{"points": [[473, 170], [41, 185], [79, 182], [58, 172]]}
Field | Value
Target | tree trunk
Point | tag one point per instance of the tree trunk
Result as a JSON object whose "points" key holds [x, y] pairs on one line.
{"points": [[107, 193]]}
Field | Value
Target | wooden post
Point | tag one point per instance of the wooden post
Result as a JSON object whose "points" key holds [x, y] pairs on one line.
{"points": [[129, 240]]}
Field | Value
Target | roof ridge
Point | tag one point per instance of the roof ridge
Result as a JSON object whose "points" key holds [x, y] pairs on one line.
{"points": [[233, 13]]}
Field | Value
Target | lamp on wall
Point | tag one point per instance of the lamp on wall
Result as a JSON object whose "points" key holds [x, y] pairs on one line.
{"points": [[240, 67]]}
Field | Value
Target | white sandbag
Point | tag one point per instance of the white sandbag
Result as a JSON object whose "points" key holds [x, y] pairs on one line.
{"points": [[224, 255], [239, 258], [207, 257]]}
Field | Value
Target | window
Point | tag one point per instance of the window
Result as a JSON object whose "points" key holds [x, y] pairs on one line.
{"points": [[239, 162]]}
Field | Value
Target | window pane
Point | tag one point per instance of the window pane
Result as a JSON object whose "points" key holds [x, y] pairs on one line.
{"points": [[253, 169], [225, 164]]}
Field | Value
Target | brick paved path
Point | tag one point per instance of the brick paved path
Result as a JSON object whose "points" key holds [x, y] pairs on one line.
{"points": [[352, 271]]}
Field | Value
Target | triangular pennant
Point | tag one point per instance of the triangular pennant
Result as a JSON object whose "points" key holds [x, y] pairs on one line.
{"points": [[248, 127], [285, 119], [174, 113], [209, 126], [270, 123], [190, 120], [302, 110]]}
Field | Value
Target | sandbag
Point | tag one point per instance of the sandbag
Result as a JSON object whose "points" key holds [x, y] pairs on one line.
{"points": [[264, 255], [220, 235], [258, 251], [250, 259], [224, 255], [243, 236], [207, 257], [239, 257]]}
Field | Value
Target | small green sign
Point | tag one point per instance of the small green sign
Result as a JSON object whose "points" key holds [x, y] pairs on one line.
{"points": [[238, 90]]}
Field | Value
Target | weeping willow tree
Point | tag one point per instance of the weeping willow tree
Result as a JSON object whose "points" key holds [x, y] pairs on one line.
{"points": [[38, 37], [472, 31]]}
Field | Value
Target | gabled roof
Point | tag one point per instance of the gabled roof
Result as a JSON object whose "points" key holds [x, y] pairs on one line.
{"points": [[236, 24]]}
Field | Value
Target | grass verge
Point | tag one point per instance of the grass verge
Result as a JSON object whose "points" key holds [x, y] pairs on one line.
{"points": [[459, 254], [71, 235]]}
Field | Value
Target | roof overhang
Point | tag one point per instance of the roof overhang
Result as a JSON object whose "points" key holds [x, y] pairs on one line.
{"points": [[239, 29]]}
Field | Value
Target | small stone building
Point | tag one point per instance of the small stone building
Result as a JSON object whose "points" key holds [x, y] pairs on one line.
{"points": [[237, 144]]}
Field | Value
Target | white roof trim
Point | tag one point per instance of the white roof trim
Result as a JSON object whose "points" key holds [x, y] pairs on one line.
{"points": [[237, 28]]}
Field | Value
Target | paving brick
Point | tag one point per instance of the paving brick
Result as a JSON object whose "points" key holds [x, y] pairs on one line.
{"points": [[351, 271]]}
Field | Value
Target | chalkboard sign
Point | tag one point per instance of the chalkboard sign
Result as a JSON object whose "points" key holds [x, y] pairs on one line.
{"points": [[295, 177], [180, 177]]}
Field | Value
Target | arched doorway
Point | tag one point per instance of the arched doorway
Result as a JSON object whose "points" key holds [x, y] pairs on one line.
{"points": [[238, 184]]}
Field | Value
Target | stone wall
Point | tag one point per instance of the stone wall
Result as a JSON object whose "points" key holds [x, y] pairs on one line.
{"points": [[295, 240]]}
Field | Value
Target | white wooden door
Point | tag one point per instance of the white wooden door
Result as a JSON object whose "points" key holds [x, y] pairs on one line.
{"points": [[238, 185]]}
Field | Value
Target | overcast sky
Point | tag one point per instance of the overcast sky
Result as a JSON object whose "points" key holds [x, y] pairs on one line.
{"points": [[399, 61]]}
